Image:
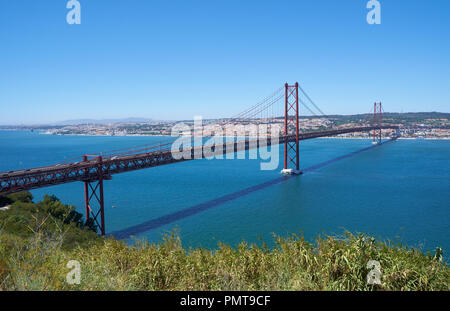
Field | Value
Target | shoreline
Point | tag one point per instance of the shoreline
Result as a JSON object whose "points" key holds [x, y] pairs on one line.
{"points": [[159, 135]]}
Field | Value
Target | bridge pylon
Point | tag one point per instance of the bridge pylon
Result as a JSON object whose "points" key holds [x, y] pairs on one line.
{"points": [[93, 191], [291, 127], [376, 133]]}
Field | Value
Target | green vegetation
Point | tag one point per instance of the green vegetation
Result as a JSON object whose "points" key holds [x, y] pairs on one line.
{"points": [[25, 219], [38, 240]]}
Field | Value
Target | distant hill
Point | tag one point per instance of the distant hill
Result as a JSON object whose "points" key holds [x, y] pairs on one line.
{"points": [[102, 121], [394, 117]]}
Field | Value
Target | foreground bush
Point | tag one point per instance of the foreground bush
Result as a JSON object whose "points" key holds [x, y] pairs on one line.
{"points": [[38, 240], [39, 263]]}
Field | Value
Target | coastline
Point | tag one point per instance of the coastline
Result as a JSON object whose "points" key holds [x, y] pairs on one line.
{"points": [[159, 135]]}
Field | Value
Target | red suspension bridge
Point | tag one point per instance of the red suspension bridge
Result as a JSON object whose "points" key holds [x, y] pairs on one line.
{"points": [[94, 169]]}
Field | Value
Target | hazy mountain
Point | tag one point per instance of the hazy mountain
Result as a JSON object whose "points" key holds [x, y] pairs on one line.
{"points": [[103, 121]]}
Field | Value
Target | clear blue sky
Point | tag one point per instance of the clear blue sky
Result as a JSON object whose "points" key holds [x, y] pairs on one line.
{"points": [[176, 59]]}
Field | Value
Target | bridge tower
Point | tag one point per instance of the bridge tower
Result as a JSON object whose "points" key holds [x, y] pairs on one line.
{"points": [[291, 128], [376, 133], [93, 192]]}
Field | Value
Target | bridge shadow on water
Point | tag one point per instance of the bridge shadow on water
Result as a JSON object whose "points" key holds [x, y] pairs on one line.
{"points": [[170, 218]]}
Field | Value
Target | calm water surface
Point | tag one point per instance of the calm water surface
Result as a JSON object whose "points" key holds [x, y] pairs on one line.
{"points": [[398, 191]]}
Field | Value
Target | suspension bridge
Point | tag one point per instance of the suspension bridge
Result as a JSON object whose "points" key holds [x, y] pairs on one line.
{"points": [[281, 107]]}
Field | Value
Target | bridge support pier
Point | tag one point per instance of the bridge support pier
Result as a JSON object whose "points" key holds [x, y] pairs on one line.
{"points": [[291, 122], [93, 191], [290, 171]]}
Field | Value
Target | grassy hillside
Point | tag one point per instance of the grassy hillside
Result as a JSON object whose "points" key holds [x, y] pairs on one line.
{"points": [[35, 247]]}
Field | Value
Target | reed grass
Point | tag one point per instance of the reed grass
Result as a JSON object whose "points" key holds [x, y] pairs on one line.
{"points": [[337, 264]]}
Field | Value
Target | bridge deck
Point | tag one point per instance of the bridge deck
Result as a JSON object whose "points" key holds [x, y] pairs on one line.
{"points": [[20, 180]]}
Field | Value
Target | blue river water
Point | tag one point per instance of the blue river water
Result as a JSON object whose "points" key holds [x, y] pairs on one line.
{"points": [[399, 191]]}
